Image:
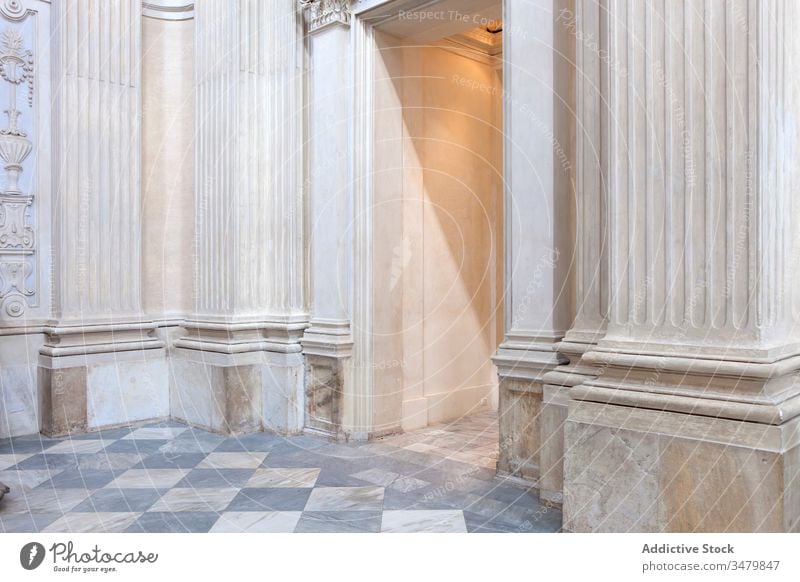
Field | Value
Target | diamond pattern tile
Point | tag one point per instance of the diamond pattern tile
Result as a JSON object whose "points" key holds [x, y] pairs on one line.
{"points": [[167, 477]]}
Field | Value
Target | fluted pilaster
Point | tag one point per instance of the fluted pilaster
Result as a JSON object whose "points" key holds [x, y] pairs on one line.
{"points": [[101, 363], [249, 272], [97, 160], [249, 242], [698, 392]]}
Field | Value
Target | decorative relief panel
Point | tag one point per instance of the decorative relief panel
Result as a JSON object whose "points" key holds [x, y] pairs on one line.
{"points": [[24, 161], [17, 242]]}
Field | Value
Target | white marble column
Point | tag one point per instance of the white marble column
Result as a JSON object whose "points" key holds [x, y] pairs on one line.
{"points": [[239, 365], [538, 245], [328, 342], [101, 363], [584, 25], [692, 424]]}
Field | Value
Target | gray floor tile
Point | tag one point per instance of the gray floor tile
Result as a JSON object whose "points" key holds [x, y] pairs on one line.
{"points": [[256, 522], [26, 445], [109, 461], [339, 522], [141, 446], [479, 524], [329, 477], [346, 499], [179, 522], [273, 499], [252, 443], [119, 500], [110, 435], [171, 461], [45, 461], [82, 479], [26, 522], [193, 441], [105, 522], [205, 478]]}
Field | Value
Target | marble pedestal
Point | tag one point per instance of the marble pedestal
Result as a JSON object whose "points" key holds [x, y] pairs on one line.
{"points": [[88, 392], [238, 393], [642, 470], [326, 378], [553, 415], [519, 409], [521, 370]]}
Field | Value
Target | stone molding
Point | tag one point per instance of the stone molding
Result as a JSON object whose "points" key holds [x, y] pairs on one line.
{"points": [[168, 9], [242, 337], [63, 340], [328, 338]]}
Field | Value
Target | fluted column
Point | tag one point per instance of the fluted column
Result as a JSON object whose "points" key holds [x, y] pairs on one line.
{"points": [[328, 342], [692, 425], [538, 245], [97, 301], [249, 309]]}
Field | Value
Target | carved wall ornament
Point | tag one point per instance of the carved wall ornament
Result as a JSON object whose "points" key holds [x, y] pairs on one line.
{"points": [[13, 9], [17, 241], [322, 13]]}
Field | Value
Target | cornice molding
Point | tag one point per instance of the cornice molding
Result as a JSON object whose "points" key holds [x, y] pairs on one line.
{"points": [[323, 13], [168, 9]]}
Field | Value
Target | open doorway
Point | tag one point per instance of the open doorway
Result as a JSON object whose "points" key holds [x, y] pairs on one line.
{"points": [[437, 215]]}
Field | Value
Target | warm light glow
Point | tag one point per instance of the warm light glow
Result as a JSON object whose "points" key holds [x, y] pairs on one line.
{"points": [[495, 26]]}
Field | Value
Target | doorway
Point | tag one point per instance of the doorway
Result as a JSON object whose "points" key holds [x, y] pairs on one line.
{"points": [[437, 215]]}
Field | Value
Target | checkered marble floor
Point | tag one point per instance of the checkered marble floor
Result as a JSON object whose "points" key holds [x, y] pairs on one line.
{"points": [[167, 477]]}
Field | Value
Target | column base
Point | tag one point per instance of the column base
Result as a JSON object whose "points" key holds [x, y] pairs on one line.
{"points": [[521, 366], [326, 378], [328, 349], [520, 405], [553, 415], [94, 391], [638, 470], [238, 393]]}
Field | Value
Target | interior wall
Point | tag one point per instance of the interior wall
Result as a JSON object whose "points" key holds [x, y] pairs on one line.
{"points": [[167, 166], [438, 221]]}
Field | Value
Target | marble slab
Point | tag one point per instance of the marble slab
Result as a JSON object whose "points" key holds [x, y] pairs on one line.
{"points": [[285, 477], [345, 498], [434, 521], [176, 500], [257, 522], [148, 478], [92, 523], [241, 460], [155, 432], [78, 446]]}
